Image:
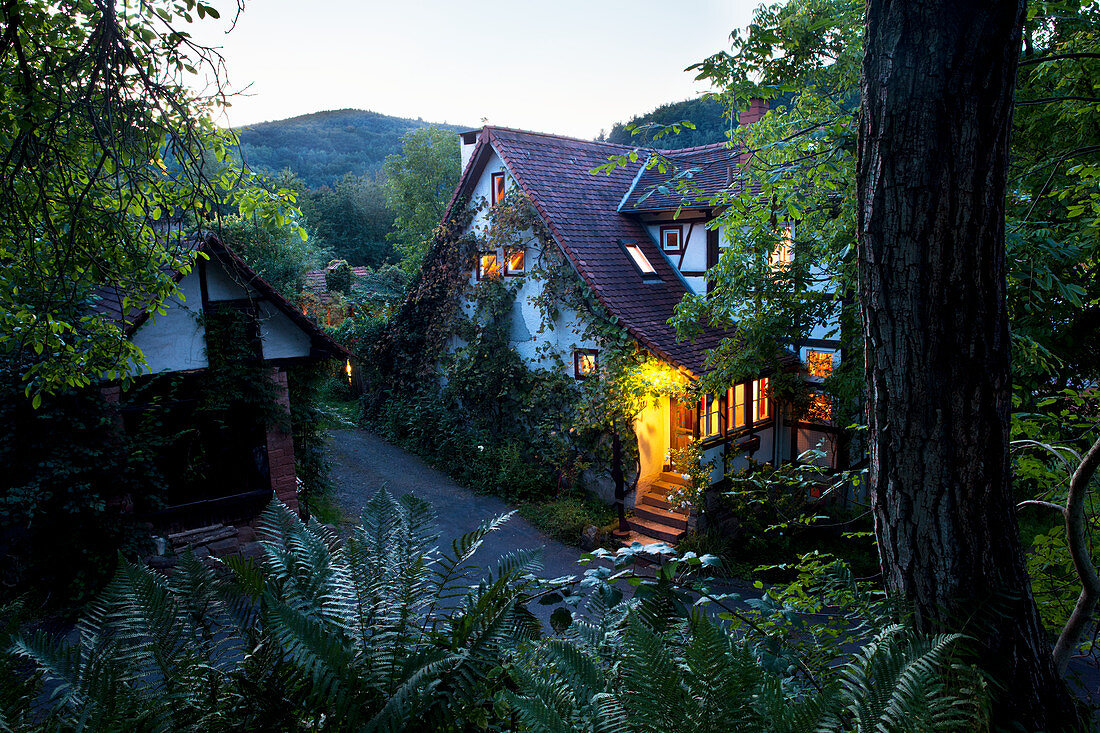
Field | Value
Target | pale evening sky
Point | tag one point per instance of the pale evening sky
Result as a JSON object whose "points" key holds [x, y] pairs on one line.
{"points": [[572, 67]]}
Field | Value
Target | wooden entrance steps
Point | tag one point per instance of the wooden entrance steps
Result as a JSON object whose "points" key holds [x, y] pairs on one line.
{"points": [[653, 515]]}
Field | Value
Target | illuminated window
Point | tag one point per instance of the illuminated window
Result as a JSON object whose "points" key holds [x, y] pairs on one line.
{"points": [[820, 363], [640, 260], [748, 404], [515, 261], [498, 188], [760, 399], [820, 409], [584, 363], [670, 238], [487, 265], [710, 417], [736, 397], [780, 257]]}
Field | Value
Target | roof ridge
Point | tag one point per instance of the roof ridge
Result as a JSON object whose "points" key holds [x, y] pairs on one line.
{"points": [[564, 137], [697, 148]]}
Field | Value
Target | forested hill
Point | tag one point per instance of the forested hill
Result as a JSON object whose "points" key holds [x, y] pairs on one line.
{"points": [[708, 116], [324, 146]]}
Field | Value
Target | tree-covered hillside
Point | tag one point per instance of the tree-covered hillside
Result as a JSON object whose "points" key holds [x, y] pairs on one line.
{"points": [[323, 147], [708, 116]]}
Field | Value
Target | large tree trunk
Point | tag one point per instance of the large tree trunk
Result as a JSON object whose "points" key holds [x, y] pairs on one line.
{"points": [[938, 81]]}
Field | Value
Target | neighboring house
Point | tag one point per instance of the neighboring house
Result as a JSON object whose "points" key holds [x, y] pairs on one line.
{"points": [[248, 461], [322, 298], [640, 250]]}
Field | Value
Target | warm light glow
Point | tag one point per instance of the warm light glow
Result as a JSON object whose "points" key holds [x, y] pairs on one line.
{"points": [[820, 363], [656, 377], [737, 406], [347, 368], [586, 363], [516, 261], [760, 397], [487, 265], [780, 257], [821, 408], [640, 259]]}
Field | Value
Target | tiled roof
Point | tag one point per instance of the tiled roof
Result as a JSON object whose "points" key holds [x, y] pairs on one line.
{"points": [[314, 280], [710, 168], [581, 212]]}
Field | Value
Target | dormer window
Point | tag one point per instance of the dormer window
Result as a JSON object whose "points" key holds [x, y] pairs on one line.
{"points": [[497, 193], [640, 260], [672, 238]]}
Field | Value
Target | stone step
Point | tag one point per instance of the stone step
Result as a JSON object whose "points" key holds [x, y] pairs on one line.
{"points": [[656, 529], [655, 500], [674, 478], [662, 488], [664, 516]]}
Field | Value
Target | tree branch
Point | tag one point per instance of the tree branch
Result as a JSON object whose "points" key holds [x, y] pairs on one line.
{"points": [[1053, 100], [1058, 57], [1082, 561]]}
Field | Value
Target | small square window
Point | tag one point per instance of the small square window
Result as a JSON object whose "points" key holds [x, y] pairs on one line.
{"points": [[498, 188], [819, 363], [584, 363], [820, 409], [487, 265], [671, 238], [514, 262]]}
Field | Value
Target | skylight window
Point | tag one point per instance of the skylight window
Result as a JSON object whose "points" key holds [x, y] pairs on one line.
{"points": [[640, 260]]}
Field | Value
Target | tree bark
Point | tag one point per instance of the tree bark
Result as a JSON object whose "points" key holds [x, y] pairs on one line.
{"points": [[937, 92]]}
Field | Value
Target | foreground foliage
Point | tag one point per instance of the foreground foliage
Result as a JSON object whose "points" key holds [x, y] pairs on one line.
{"points": [[382, 631]]}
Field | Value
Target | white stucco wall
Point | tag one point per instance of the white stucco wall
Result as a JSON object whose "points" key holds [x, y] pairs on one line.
{"points": [[220, 284], [175, 341], [282, 339], [537, 346]]}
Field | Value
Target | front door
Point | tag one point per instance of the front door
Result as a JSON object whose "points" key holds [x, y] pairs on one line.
{"points": [[683, 424]]}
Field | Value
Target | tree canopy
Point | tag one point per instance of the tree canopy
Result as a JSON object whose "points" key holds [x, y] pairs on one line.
{"points": [[107, 153], [418, 185]]}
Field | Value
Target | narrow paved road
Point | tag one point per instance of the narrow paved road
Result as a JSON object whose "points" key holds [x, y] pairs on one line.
{"points": [[363, 462]]}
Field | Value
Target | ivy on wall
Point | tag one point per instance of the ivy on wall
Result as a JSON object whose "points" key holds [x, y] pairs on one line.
{"points": [[444, 379]]}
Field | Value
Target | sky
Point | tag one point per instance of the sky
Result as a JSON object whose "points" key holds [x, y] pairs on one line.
{"points": [[571, 67]]}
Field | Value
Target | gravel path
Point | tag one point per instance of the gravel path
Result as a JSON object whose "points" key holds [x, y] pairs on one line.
{"points": [[362, 463]]}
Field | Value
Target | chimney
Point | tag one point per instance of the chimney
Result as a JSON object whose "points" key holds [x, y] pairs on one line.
{"points": [[469, 140], [757, 109]]}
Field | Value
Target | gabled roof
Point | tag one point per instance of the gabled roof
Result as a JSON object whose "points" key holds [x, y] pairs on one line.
{"points": [[581, 211], [709, 168], [109, 300]]}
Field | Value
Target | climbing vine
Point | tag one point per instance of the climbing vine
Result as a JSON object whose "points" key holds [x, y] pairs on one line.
{"points": [[445, 380]]}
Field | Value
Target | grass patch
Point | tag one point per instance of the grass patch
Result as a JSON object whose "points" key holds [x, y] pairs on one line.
{"points": [[565, 517], [324, 508], [338, 407]]}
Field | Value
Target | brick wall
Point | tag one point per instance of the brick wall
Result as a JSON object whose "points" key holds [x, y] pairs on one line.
{"points": [[280, 451]]}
